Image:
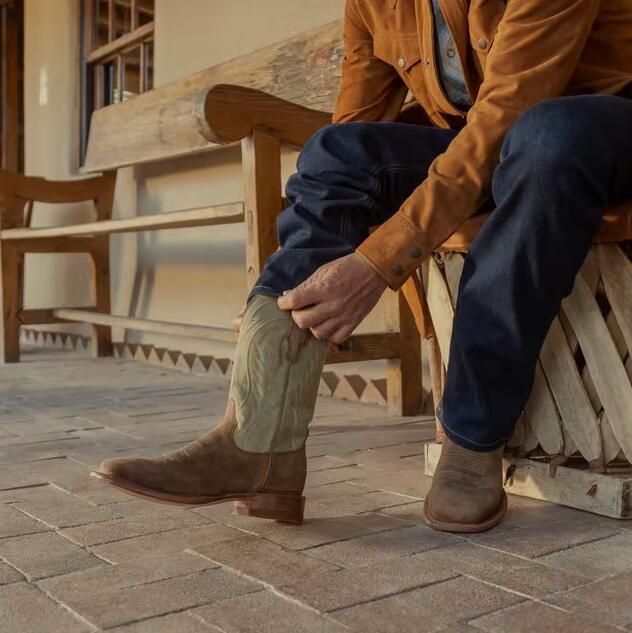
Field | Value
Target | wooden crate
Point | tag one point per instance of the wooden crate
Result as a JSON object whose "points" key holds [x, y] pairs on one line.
{"points": [[579, 414]]}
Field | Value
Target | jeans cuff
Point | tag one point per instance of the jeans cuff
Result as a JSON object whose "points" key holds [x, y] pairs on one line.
{"points": [[464, 442]]}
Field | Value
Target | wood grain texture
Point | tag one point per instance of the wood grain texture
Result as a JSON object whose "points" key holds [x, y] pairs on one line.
{"points": [[261, 170], [566, 386], [403, 374], [543, 417], [171, 120], [203, 216], [441, 310], [603, 360]]}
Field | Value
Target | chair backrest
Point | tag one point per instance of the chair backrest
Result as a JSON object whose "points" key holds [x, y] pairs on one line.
{"points": [[304, 69], [18, 193]]}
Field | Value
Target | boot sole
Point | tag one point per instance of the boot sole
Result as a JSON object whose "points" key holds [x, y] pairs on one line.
{"points": [[467, 528], [285, 508]]}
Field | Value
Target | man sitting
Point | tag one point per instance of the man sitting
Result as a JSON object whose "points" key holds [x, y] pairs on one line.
{"points": [[521, 108]]}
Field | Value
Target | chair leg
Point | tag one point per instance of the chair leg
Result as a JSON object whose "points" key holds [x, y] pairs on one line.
{"points": [[101, 334], [404, 387], [11, 287]]}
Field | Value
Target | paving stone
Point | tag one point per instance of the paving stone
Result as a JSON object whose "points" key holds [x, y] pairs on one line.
{"points": [[58, 507], [15, 523], [107, 608], [544, 538], [139, 519], [110, 579], [428, 608], [533, 616], [176, 623], [375, 548], [173, 540], [25, 609], [321, 531], [517, 574], [263, 560], [325, 462], [606, 601], [265, 612], [605, 557], [344, 588], [333, 475], [45, 554], [8, 574], [19, 476]]}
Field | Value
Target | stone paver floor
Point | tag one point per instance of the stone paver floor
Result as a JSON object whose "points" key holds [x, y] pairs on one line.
{"points": [[76, 555]]}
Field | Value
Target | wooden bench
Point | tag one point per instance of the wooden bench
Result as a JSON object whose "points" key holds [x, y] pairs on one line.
{"points": [[278, 96]]}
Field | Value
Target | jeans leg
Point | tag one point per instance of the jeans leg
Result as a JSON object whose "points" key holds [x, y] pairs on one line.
{"points": [[350, 177], [561, 164]]}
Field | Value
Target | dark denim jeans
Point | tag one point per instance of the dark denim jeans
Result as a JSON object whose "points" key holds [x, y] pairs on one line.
{"points": [[560, 166]]}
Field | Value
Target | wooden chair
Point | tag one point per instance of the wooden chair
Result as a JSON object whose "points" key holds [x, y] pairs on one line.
{"points": [[573, 444], [273, 98], [17, 196]]}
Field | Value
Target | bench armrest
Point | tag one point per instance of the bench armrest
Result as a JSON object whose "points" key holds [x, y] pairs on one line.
{"points": [[230, 113]]}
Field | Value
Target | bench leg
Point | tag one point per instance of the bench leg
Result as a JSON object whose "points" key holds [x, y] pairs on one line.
{"points": [[261, 166], [101, 334], [11, 288], [404, 389]]}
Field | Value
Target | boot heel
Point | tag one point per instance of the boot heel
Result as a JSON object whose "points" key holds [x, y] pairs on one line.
{"points": [[268, 505]]}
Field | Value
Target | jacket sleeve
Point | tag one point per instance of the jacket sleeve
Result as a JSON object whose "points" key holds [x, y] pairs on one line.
{"points": [[370, 89], [535, 51]]}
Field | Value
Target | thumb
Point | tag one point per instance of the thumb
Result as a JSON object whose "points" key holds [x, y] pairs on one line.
{"points": [[300, 297]]}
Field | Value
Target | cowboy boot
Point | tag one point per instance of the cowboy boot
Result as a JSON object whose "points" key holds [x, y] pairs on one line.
{"points": [[256, 455], [467, 490]]}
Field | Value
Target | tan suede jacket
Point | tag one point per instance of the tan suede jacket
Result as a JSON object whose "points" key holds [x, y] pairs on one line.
{"points": [[515, 54]]}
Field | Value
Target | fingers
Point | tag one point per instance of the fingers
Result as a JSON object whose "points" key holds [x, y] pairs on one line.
{"points": [[333, 330], [313, 316], [238, 319], [306, 294]]}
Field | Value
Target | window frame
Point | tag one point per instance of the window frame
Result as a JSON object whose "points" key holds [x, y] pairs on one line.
{"points": [[114, 50]]}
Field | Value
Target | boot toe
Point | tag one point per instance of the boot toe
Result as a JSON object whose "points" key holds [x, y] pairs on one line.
{"points": [[135, 470], [463, 507]]}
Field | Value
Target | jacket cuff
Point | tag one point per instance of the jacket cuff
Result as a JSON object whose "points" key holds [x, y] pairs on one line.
{"points": [[395, 250]]}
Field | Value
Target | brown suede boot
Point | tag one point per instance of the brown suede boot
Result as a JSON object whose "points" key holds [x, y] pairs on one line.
{"points": [[256, 456], [467, 490]]}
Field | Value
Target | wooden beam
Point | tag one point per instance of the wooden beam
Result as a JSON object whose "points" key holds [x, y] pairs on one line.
{"points": [[203, 216], [44, 316], [363, 347], [231, 113], [147, 325]]}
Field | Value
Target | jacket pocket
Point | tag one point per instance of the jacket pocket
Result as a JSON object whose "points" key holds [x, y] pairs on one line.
{"points": [[484, 17], [401, 52]]}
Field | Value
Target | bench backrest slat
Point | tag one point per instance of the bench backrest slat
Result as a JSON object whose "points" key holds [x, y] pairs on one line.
{"points": [[164, 122]]}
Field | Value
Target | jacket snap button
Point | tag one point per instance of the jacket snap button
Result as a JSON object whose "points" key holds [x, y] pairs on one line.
{"points": [[398, 270], [401, 62], [415, 252], [482, 43], [451, 53]]}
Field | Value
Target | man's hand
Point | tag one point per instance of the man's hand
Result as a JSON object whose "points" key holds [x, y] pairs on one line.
{"points": [[335, 299]]}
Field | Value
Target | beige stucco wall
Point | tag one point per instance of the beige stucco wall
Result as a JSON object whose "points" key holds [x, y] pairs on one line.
{"points": [[194, 276]]}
